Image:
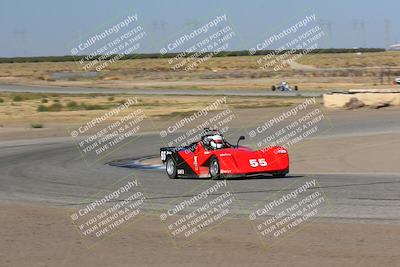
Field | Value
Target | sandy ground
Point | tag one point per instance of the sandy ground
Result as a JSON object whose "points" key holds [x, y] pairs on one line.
{"points": [[43, 236], [363, 157]]}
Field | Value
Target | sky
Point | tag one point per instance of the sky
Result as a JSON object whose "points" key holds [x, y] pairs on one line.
{"points": [[54, 27]]}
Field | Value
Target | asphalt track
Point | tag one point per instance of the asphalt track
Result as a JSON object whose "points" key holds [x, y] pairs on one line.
{"points": [[51, 172], [191, 92]]}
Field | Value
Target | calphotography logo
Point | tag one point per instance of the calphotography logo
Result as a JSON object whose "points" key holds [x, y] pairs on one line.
{"points": [[110, 212], [199, 211], [110, 130], [289, 45], [291, 127], [104, 48], [198, 46], [183, 131], [288, 211]]}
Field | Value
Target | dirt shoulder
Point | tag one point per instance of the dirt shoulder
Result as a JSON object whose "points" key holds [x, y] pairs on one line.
{"points": [[356, 155], [45, 236]]}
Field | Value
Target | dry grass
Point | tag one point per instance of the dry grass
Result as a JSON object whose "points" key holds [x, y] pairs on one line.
{"points": [[25, 112], [217, 73], [351, 60]]}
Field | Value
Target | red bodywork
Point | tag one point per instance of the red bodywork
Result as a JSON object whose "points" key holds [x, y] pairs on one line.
{"points": [[237, 161]]}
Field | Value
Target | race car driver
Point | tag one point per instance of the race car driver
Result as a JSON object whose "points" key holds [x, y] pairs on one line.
{"points": [[284, 86], [214, 141]]}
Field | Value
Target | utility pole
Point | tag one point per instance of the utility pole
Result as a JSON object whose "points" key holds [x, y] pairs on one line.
{"points": [[359, 28], [159, 25], [20, 38], [327, 27], [388, 33], [355, 32], [363, 33]]}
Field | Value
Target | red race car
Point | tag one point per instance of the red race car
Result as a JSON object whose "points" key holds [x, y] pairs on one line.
{"points": [[214, 157]]}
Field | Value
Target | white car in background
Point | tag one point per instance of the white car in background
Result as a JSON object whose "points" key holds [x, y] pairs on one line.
{"points": [[284, 86], [397, 81]]}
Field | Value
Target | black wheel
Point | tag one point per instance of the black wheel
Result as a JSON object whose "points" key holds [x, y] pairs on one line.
{"points": [[214, 168], [296, 88], [279, 174], [170, 167], [273, 87]]}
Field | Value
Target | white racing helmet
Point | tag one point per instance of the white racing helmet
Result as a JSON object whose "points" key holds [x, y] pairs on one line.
{"points": [[216, 141]]}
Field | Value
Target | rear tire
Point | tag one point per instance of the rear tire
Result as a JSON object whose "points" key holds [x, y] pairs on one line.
{"points": [[214, 169], [273, 87], [296, 88], [170, 167]]}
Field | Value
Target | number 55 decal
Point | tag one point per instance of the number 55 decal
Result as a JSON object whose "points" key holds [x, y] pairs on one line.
{"points": [[257, 162]]}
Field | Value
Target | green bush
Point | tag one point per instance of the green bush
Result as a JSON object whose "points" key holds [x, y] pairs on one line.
{"points": [[111, 98], [41, 108], [52, 108], [92, 106], [44, 100], [36, 125], [1, 100], [55, 107], [72, 105], [18, 98]]}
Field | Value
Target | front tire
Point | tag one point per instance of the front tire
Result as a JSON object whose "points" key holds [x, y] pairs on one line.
{"points": [[214, 169], [279, 174], [171, 169]]}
